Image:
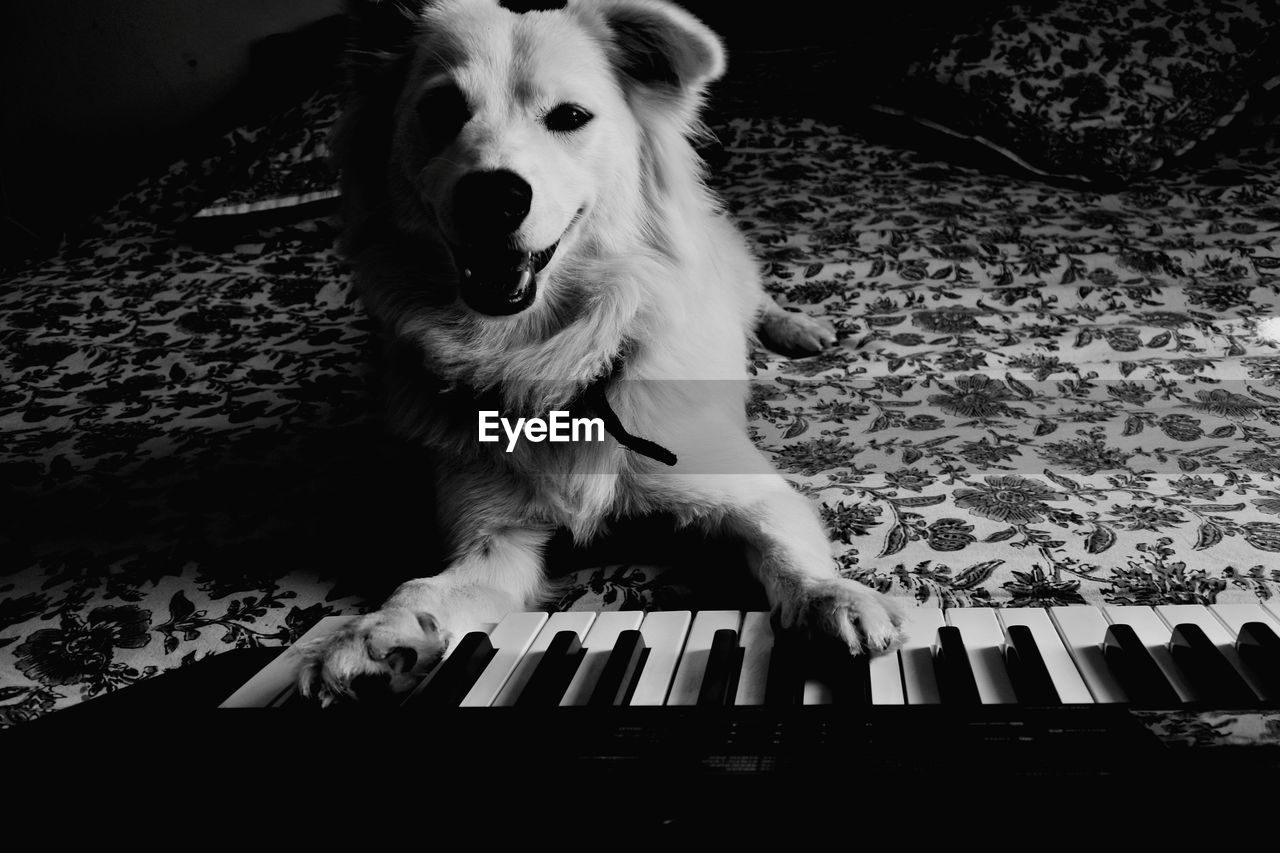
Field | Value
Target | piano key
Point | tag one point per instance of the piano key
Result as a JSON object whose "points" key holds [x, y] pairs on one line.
{"points": [[757, 647], [884, 678], [1063, 674], [1154, 634], [955, 670], [786, 681], [511, 639], [600, 644], [1027, 670], [721, 670], [272, 685], [919, 679], [1235, 617], [1273, 607], [664, 635], [620, 670], [1212, 676], [1212, 625], [549, 681], [697, 650], [455, 675], [1133, 666], [833, 675], [577, 621], [1082, 630], [859, 681], [1259, 648], [984, 640]]}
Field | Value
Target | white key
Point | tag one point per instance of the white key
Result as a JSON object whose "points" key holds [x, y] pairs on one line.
{"points": [[511, 638], [697, 650], [757, 647], [918, 675], [664, 635], [984, 641], [1273, 607], [598, 644], [1062, 671], [1234, 616], [275, 682], [1213, 627], [1155, 634], [1083, 628], [886, 679]]}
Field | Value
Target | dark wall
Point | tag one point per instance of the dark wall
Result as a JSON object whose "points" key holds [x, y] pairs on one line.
{"points": [[94, 90]]}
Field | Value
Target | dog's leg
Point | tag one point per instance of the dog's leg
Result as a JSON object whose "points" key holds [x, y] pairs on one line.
{"points": [[787, 549], [793, 332], [394, 646]]}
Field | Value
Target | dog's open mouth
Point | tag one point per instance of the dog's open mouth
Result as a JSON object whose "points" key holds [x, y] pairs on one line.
{"points": [[501, 281]]}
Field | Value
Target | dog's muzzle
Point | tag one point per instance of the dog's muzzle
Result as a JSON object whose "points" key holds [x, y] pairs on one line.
{"points": [[500, 281]]}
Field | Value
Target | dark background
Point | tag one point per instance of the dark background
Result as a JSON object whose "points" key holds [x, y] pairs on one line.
{"points": [[100, 92]]}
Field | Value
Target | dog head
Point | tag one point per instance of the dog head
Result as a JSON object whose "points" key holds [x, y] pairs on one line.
{"points": [[517, 129]]}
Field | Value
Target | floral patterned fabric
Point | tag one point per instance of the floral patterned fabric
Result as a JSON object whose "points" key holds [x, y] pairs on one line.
{"points": [[1041, 396], [1088, 90]]}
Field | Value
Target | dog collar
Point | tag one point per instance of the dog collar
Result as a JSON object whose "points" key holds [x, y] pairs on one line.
{"points": [[595, 401]]}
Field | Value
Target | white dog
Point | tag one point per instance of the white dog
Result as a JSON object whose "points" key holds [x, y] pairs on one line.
{"points": [[527, 220]]}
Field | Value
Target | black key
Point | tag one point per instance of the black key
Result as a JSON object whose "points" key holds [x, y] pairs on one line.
{"points": [[1138, 673], [1030, 677], [618, 677], [858, 690], [457, 674], [722, 669], [553, 673], [785, 682], [1259, 649], [1213, 679], [955, 673]]}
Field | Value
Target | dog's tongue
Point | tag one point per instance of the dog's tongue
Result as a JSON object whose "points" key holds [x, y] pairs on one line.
{"points": [[499, 281]]}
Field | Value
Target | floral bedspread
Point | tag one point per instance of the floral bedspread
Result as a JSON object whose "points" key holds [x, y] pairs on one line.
{"points": [[1041, 396]]}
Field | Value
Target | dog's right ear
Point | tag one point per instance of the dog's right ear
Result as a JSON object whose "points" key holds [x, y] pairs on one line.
{"points": [[662, 48]]}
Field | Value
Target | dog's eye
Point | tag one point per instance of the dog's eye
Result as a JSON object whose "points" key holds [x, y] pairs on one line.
{"points": [[444, 111], [567, 118]]}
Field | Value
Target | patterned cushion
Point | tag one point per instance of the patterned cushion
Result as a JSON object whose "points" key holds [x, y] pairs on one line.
{"points": [[1097, 91], [292, 174]]}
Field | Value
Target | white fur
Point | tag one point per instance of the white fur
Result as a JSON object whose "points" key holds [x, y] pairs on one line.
{"points": [[648, 268]]}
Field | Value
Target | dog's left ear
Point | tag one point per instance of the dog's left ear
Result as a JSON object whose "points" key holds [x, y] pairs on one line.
{"points": [[661, 47]]}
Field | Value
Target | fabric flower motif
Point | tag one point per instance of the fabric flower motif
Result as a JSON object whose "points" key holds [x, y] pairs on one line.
{"points": [[911, 479], [1197, 488], [978, 397], [1137, 517], [1226, 404], [845, 521], [1010, 499], [948, 321], [78, 651]]}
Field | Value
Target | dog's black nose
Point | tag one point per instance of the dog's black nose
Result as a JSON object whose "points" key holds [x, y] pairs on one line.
{"points": [[491, 204]]}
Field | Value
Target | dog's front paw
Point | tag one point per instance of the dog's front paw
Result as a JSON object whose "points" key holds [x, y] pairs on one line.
{"points": [[383, 652], [794, 332], [863, 619]]}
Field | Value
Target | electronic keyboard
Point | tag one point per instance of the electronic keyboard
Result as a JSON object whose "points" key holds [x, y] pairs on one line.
{"points": [[716, 703], [1165, 657]]}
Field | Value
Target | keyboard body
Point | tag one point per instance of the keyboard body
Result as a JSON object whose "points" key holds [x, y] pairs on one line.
{"points": [[727, 754]]}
